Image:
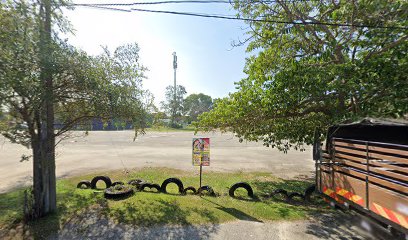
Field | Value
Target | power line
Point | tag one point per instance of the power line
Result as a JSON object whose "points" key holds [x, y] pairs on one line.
{"points": [[267, 20], [105, 8], [178, 1], [108, 6], [148, 3]]}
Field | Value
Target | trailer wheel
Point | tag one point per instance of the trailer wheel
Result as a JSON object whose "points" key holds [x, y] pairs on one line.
{"points": [[150, 186], [84, 184], [208, 189], [177, 181], [192, 189], [244, 185], [105, 179]]}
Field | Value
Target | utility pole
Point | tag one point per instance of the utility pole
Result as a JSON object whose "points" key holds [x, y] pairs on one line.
{"points": [[175, 88], [44, 155]]}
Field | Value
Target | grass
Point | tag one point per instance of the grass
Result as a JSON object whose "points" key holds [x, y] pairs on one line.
{"points": [[148, 208]]}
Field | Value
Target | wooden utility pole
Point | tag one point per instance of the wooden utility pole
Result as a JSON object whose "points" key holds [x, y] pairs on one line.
{"points": [[44, 155]]}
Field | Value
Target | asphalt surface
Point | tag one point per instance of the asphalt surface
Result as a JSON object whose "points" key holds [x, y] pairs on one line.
{"points": [[104, 151], [110, 150], [336, 226]]}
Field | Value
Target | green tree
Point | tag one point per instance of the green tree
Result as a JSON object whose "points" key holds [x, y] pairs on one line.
{"points": [[173, 108], [305, 75], [196, 104], [42, 78], [158, 118]]}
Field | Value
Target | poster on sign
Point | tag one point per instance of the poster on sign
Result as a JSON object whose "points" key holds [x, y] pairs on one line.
{"points": [[196, 159], [201, 151]]}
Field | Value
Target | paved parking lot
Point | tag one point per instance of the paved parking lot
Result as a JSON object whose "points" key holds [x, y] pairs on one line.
{"points": [[101, 151], [104, 150]]}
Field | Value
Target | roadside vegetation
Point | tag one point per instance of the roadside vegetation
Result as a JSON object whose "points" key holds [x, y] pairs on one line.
{"points": [[149, 208], [169, 129]]}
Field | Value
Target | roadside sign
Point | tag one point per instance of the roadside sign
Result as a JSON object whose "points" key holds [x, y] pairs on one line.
{"points": [[201, 151]]}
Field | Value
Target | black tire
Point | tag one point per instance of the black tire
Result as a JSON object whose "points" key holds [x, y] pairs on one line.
{"points": [[295, 195], [117, 183], [190, 188], [105, 179], [244, 185], [150, 186], [85, 183], [137, 183], [308, 193], [209, 190], [177, 181], [126, 192], [281, 192]]}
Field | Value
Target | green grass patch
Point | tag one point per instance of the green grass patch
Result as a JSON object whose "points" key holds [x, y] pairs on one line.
{"points": [[149, 208]]}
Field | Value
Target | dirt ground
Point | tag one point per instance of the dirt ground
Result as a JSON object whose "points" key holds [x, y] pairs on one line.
{"points": [[105, 150]]}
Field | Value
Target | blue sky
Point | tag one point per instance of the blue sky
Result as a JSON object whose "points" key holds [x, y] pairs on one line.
{"points": [[207, 62]]}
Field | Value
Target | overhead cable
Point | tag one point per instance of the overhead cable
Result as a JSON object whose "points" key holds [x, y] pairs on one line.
{"points": [[268, 20], [110, 6]]}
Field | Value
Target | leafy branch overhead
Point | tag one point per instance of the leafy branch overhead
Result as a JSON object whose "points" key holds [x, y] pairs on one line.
{"points": [[108, 86], [44, 82], [303, 78]]}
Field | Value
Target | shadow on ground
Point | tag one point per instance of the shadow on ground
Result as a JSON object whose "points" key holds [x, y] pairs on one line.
{"points": [[234, 212], [170, 223], [345, 225], [267, 187]]}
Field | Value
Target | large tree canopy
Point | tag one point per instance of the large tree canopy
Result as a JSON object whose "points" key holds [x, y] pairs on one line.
{"points": [[305, 75], [173, 108], [42, 78], [196, 104]]}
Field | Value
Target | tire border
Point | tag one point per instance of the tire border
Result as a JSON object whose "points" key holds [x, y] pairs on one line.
{"points": [[243, 185], [105, 179], [84, 182], [177, 181]]}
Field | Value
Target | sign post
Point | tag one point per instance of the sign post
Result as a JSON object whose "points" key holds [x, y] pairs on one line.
{"points": [[201, 174], [201, 154]]}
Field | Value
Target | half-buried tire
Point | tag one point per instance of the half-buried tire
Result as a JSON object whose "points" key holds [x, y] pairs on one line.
{"points": [[137, 183], [149, 186], [177, 181], [308, 193], [105, 179], [280, 192], [84, 184], [190, 188], [117, 183], [208, 189], [244, 185], [295, 197], [118, 192]]}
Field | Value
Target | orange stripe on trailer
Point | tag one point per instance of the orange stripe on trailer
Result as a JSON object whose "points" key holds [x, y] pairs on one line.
{"points": [[357, 199], [402, 220], [332, 194], [350, 196], [391, 215], [328, 191]]}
